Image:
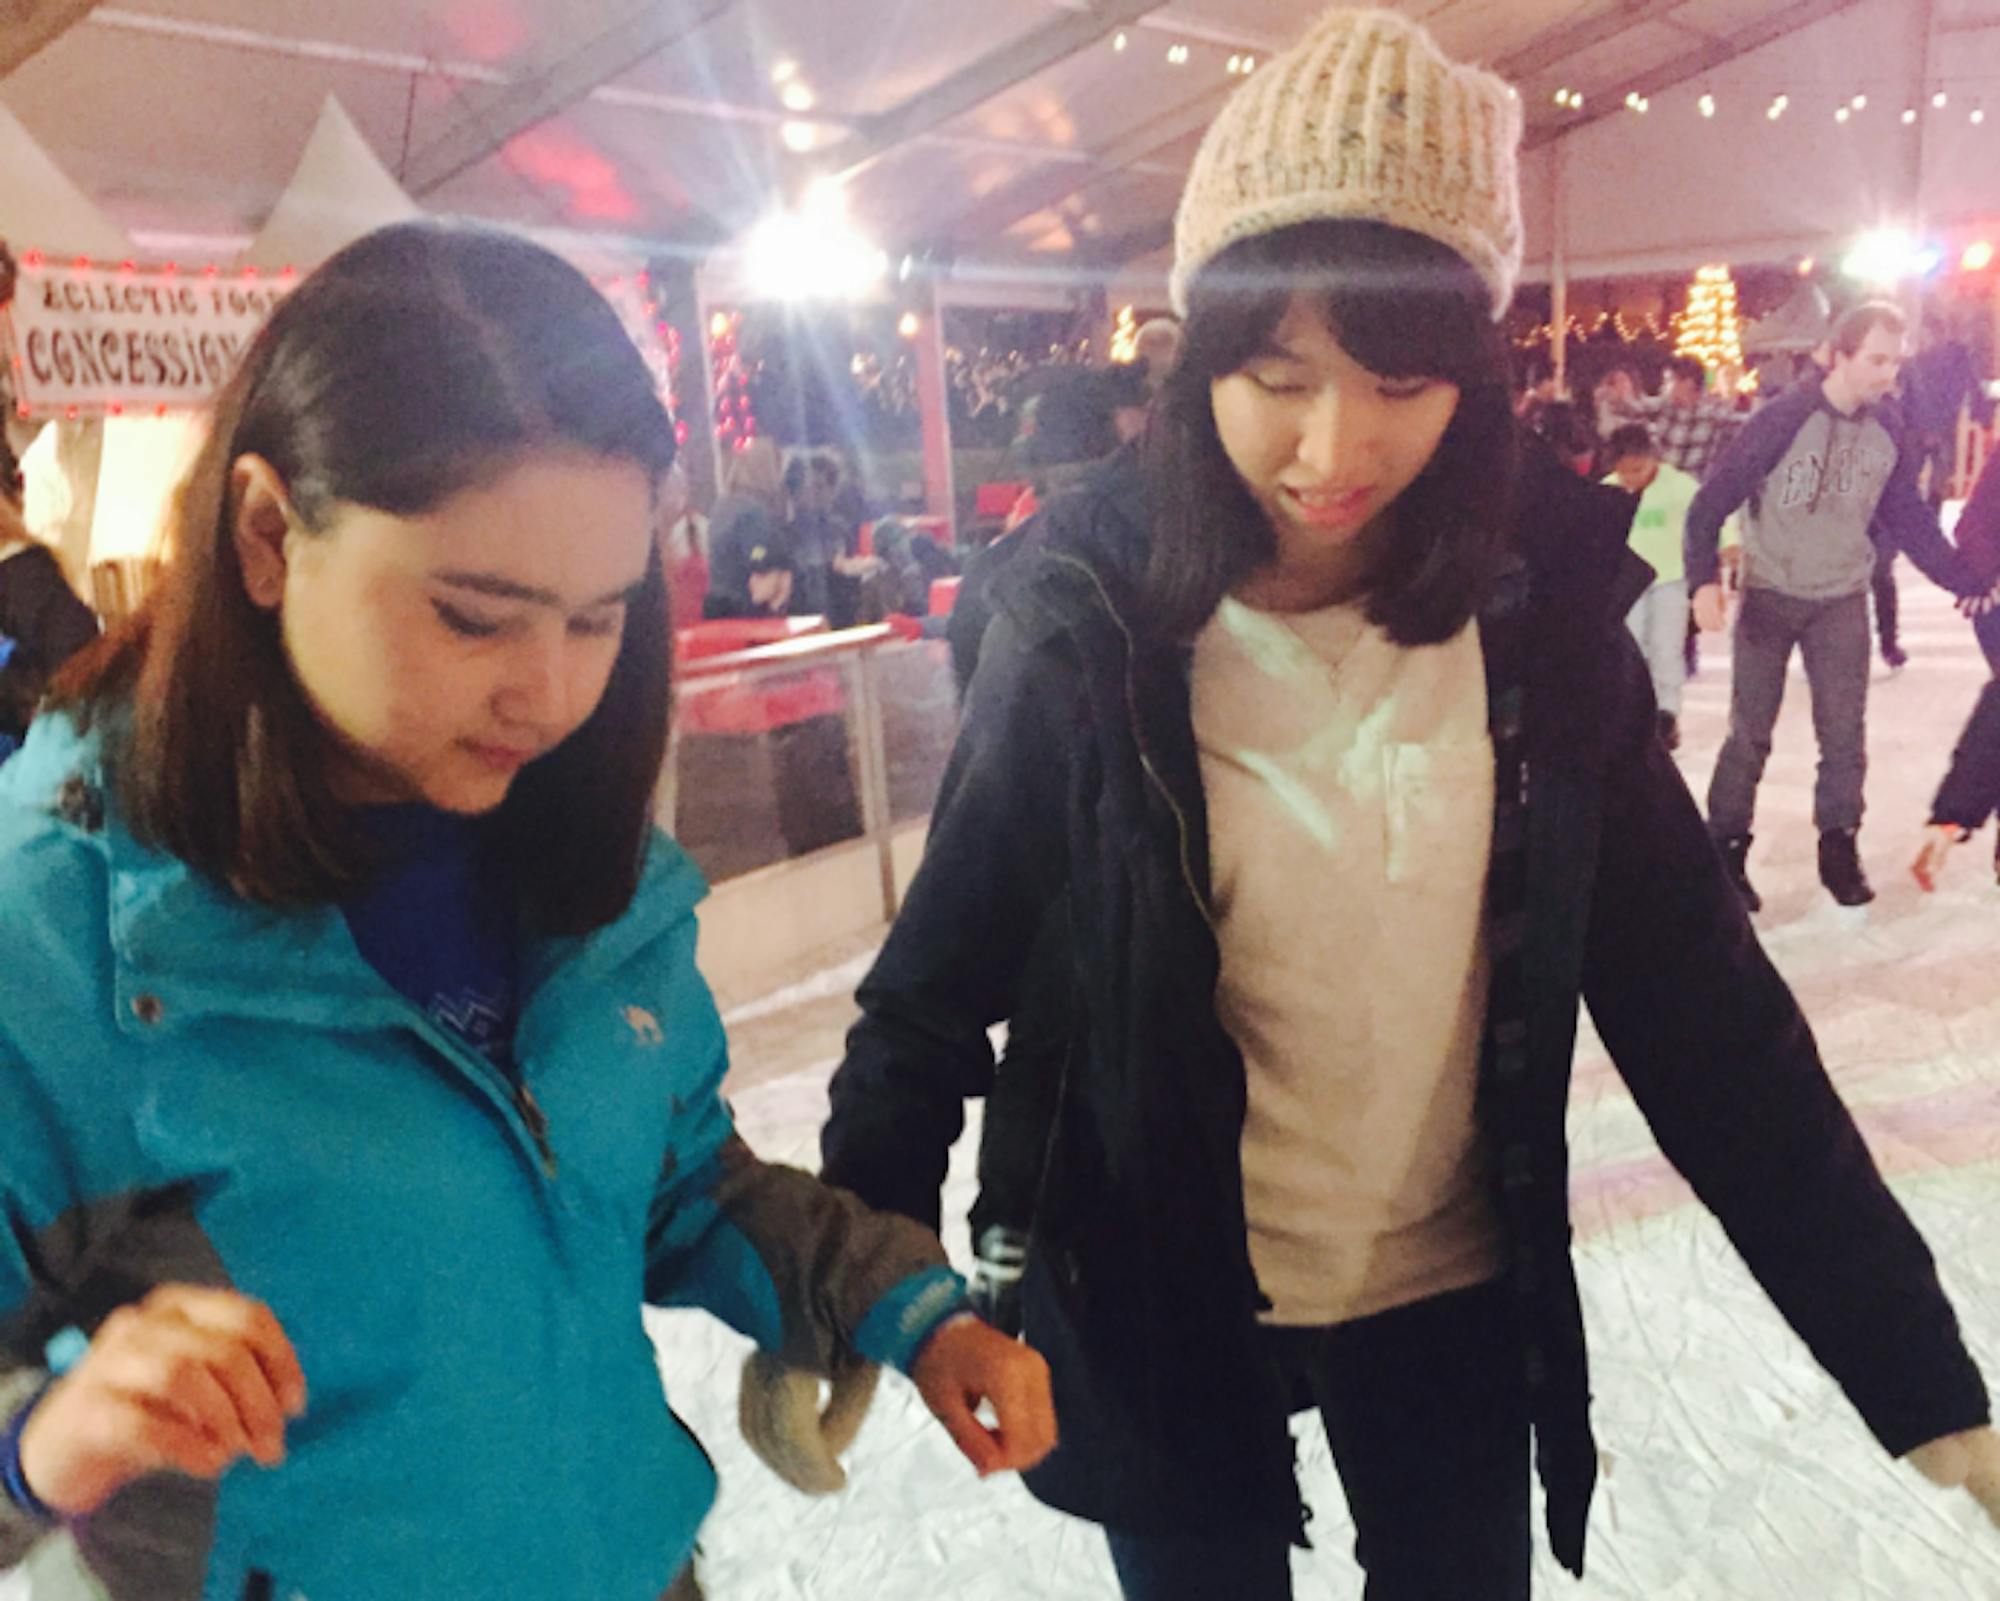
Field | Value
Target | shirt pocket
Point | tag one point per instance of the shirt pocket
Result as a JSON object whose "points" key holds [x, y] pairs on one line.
{"points": [[1437, 808]]}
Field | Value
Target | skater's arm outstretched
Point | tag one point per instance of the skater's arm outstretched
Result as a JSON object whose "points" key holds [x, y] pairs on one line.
{"points": [[1724, 1068]]}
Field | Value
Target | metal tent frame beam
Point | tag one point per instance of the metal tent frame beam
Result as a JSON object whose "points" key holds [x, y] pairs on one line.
{"points": [[551, 85], [1671, 74], [972, 85], [1557, 45], [27, 26]]}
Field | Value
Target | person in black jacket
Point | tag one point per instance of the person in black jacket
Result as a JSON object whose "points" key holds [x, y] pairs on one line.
{"points": [[1322, 720], [42, 623], [753, 563]]}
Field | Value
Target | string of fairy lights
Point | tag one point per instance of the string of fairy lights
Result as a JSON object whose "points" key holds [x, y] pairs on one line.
{"points": [[1709, 328], [1844, 109]]}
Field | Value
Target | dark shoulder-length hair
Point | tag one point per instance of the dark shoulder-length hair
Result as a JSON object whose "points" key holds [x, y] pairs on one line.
{"points": [[421, 361], [1403, 306]]}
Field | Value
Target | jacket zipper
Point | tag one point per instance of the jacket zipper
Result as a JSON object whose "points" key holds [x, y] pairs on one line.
{"points": [[1139, 741], [518, 1095], [538, 1125]]}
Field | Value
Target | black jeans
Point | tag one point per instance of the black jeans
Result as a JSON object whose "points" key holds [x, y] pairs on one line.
{"points": [[1427, 1414], [1832, 636], [1987, 630], [1887, 605]]}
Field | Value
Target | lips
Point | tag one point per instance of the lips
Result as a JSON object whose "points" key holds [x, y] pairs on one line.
{"points": [[1330, 509], [501, 758]]}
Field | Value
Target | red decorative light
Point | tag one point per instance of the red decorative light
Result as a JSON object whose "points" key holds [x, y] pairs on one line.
{"points": [[128, 266], [34, 258], [82, 264], [117, 410]]}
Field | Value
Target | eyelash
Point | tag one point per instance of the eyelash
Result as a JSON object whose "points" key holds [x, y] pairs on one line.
{"points": [[1421, 386], [465, 627], [471, 628]]}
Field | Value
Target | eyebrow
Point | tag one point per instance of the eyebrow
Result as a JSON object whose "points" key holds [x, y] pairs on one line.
{"points": [[506, 589]]}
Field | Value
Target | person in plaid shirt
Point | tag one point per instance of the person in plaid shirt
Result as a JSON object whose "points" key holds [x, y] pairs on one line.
{"points": [[1689, 427]]}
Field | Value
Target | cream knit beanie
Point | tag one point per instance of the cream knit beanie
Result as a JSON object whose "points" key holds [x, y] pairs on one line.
{"points": [[1363, 118]]}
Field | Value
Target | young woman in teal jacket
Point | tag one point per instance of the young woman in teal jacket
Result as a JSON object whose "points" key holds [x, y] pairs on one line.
{"points": [[357, 1085]]}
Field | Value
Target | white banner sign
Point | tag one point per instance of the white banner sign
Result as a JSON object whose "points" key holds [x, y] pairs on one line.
{"points": [[93, 341]]}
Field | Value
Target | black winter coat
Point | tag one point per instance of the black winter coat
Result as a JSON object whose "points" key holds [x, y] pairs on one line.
{"points": [[1077, 770], [40, 613]]}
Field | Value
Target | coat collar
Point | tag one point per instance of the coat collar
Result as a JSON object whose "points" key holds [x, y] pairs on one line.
{"points": [[184, 946]]}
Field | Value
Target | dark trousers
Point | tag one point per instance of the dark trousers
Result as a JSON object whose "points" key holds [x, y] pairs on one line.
{"points": [[1427, 1414], [1832, 636], [1887, 605], [1987, 630]]}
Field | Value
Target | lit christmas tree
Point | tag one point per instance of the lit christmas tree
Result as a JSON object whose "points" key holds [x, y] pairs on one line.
{"points": [[1709, 330]]}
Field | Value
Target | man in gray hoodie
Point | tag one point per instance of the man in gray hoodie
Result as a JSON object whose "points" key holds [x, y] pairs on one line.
{"points": [[1829, 478]]}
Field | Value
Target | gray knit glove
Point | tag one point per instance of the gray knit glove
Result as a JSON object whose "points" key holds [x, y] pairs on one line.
{"points": [[778, 1409]]}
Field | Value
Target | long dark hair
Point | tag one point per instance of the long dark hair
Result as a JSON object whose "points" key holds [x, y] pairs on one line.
{"points": [[417, 363], [1403, 306]]}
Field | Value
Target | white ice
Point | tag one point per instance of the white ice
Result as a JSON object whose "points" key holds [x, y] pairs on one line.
{"points": [[1731, 1466]]}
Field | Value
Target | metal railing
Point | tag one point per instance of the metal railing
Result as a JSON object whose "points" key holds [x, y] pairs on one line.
{"points": [[826, 741]]}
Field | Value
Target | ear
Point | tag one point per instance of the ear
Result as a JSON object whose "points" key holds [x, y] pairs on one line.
{"points": [[259, 526]]}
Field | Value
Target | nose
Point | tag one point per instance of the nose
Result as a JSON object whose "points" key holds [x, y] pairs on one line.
{"points": [[535, 694], [1331, 435]]}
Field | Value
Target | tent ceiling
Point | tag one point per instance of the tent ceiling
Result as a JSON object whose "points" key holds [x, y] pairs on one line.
{"points": [[1007, 131]]}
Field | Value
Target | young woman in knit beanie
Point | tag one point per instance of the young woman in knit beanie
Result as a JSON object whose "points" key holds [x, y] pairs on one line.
{"points": [[1322, 723]]}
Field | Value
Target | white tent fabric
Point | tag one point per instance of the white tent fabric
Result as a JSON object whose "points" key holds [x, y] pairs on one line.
{"points": [[41, 209], [964, 141], [339, 192]]}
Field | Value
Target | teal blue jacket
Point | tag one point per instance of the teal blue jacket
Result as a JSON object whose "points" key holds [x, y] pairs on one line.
{"points": [[197, 1089]]}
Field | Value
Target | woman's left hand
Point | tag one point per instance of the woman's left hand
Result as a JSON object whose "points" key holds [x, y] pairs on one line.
{"points": [[1969, 1461], [1939, 839], [967, 1362]]}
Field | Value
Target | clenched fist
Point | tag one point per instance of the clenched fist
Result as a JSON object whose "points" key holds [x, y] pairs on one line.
{"points": [[185, 1381], [966, 1363]]}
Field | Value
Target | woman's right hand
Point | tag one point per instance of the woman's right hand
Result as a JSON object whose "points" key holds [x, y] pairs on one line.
{"points": [[185, 1381]]}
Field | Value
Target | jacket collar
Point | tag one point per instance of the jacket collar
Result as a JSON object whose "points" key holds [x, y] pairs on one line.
{"points": [[184, 946]]}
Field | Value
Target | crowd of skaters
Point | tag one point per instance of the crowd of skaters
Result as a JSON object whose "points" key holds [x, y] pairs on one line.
{"points": [[1797, 509]]}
